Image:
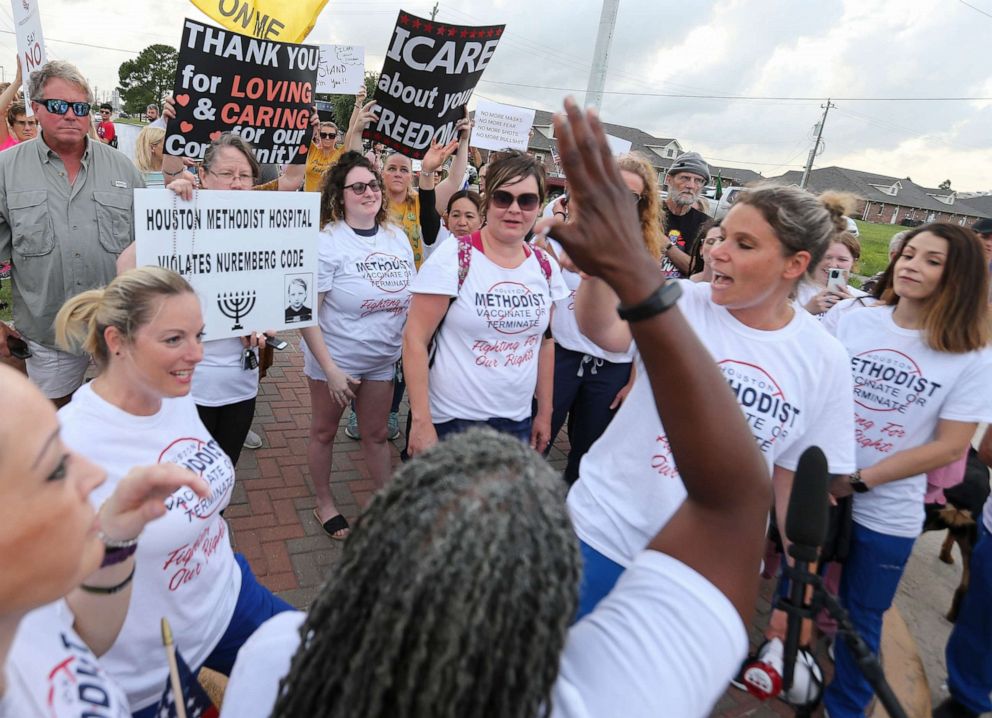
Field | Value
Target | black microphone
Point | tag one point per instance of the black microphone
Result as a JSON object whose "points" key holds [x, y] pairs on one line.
{"points": [[806, 528]]}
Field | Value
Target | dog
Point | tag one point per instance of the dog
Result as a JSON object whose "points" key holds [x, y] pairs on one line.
{"points": [[960, 517]]}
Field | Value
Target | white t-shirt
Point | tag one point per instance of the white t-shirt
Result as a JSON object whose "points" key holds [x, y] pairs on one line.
{"points": [[793, 386], [51, 672], [485, 365], [831, 318], [185, 568], [808, 289], [987, 514], [367, 286], [902, 388], [220, 378], [665, 641], [565, 329]]}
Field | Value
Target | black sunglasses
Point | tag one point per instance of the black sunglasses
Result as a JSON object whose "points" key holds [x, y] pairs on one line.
{"points": [[328, 135], [60, 107], [527, 202], [360, 187]]}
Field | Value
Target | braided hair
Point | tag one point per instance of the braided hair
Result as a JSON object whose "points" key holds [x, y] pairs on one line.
{"points": [[453, 596]]}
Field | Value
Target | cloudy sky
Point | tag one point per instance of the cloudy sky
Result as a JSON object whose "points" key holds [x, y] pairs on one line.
{"points": [[859, 52]]}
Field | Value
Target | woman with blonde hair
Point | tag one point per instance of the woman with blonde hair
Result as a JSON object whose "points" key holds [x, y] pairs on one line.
{"points": [[144, 331], [591, 383], [148, 155]]}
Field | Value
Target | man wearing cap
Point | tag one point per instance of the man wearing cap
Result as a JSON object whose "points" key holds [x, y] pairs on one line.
{"points": [[983, 228], [687, 177]]}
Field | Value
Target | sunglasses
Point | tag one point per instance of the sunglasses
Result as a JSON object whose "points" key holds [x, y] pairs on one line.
{"points": [[328, 135], [60, 107], [360, 187], [527, 202]]}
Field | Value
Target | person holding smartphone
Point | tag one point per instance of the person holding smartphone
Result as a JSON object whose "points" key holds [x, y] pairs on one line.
{"points": [[827, 283]]}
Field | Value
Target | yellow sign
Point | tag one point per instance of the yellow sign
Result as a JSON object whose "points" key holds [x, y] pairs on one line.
{"points": [[265, 19]]}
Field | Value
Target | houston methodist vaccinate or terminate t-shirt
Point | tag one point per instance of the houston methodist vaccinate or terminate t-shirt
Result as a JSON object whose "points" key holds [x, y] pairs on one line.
{"points": [[485, 366], [665, 641], [792, 384], [50, 672], [902, 388], [366, 283], [565, 329], [185, 569]]}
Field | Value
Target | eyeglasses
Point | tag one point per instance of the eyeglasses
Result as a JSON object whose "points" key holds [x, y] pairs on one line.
{"points": [[60, 107], [527, 202], [360, 187], [230, 177], [637, 197], [328, 135], [26, 123]]}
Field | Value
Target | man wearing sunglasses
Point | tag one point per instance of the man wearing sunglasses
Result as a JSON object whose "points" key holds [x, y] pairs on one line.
{"points": [[983, 228], [66, 212], [105, 129]]}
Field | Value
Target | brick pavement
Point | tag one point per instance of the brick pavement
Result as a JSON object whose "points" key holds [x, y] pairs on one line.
{"points": [[271, 509]]}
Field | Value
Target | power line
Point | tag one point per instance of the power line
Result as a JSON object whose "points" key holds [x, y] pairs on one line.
{"points": [[746, 97], [83, 44], [976, 9]]}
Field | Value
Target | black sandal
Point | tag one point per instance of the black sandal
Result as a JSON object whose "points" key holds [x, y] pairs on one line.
{"points": [[333, 525]]}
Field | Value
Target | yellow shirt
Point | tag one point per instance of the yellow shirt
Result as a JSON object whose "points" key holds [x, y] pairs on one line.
{"points": [[407, 216], [318, 162]]}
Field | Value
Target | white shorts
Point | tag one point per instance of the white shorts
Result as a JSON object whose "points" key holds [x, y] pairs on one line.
{"points": [[55, 372], [385, 372]]}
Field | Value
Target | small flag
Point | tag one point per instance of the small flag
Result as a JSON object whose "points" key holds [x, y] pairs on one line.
{"points": [[265, 19], [719, 185], [192, 701]]}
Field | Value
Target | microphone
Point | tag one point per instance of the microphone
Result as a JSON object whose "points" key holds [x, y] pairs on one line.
{"points": [[806, 528]]}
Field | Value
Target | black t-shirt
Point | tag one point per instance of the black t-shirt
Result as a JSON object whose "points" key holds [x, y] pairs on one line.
{"points": [[688, 224]]}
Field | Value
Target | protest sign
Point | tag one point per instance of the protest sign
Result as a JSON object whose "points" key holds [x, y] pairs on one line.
{"points": [[341, 70], [430, 72], [500, 127], [266, 19], [30, 41], [260, 89], [251, 257]]}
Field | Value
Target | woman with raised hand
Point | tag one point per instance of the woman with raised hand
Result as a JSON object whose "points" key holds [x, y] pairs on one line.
{"points": [[590, 383], [455, 592], [484, 302], [921, 368], [790, 377], [363, 293], [67, 567], [144, 331]]}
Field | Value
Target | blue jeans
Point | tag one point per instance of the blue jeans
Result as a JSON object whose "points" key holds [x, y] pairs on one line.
{"points": [[599, 576], [584, 389], [519, 429], [872, 571], [969, 649], [256, 604]]}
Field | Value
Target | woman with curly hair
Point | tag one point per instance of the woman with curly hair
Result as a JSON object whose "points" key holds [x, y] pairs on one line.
{"points": [[363, 294], [591, 383]]}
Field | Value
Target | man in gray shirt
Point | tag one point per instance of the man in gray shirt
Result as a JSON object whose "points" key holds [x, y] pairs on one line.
{"points": [[66, 212]]}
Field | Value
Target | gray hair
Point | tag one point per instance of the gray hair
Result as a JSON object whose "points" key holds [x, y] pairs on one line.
{"points": [[235, 142], [895, 243], [57, 70]]}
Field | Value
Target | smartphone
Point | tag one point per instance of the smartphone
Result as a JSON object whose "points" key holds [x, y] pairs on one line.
{"points": [[18, 347], [275, 342], [836, 278]]}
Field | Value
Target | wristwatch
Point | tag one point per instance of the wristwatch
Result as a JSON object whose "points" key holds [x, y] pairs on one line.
{"points": [[660, 300], [857, 483]]}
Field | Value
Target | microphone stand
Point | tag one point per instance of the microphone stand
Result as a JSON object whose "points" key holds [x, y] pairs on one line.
{"points": [[797, 610]]}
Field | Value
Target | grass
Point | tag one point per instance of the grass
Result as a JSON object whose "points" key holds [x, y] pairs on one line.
{"points": [[6, 313], [875, 246]]}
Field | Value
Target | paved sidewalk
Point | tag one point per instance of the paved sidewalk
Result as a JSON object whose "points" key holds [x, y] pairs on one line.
{"points": [[271, 508]]}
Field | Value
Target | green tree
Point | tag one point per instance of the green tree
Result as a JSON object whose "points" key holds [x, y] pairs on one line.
{"points": [[946, 184], [344, 104], [148, 77]]}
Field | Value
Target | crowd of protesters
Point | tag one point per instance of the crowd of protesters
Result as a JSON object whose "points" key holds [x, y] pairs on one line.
{"points": [[690, 362]]}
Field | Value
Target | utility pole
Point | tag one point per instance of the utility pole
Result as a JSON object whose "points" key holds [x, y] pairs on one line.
{"points": [[600, 58], [816, 145], [434, 12]]}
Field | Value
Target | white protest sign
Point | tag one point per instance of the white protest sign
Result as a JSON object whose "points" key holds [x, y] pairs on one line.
{"points": [[618, 146], [250, 256], [501, 127], [341, 70], [30, 41]]}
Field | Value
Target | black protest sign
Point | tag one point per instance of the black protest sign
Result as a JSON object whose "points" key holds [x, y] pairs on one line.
{"points": [[259, 89], [430, 71]]}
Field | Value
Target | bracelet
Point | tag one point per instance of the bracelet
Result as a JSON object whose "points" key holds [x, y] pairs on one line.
{"points": [[659, 301], [561, 213], [173, 174], [115, 543], [109, 590]]}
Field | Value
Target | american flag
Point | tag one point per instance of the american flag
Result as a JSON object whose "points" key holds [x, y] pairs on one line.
{"points": [[195, 699]]}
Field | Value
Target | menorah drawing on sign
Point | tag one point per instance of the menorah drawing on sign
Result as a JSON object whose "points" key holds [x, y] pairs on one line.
{"points": [[236, 305]]}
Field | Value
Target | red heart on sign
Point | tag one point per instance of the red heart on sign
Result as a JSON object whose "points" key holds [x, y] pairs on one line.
{"points": [[303, 149], [182, 100], [215, 134], [185, 126]]}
